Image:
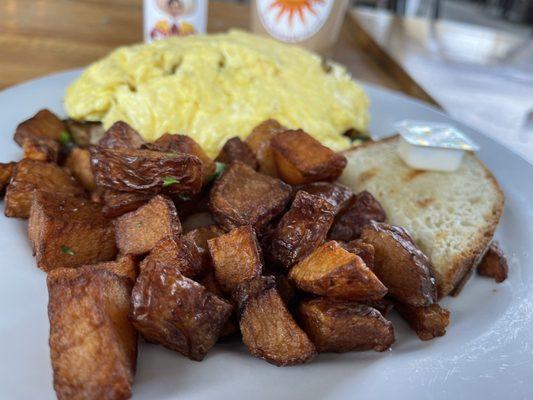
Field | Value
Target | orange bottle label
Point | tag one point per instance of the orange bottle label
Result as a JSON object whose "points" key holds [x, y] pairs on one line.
{"points": [[293, 20]]}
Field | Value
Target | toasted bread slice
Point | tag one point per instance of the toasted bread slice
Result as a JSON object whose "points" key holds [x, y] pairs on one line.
{"points": [[451, 216]]}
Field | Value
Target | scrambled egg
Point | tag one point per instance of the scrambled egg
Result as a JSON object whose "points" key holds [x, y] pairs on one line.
{"points": [[215, 87]]}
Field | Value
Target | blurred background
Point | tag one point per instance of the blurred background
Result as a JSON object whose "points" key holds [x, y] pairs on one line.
{"points": [[511, 15]]}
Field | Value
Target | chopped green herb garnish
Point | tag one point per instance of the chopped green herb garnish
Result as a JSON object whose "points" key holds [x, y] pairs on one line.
{"points": [[64, 138], [220, 167], [183, 197], [169, 180], [67, 250], [139, 224], [356, 135]]}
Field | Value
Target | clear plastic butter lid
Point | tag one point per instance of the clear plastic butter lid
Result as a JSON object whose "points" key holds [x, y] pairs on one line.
{"points": [[434, 134]]}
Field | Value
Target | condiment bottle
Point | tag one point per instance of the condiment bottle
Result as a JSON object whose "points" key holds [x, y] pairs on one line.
{"points": [[314, 24], [164, 18]]}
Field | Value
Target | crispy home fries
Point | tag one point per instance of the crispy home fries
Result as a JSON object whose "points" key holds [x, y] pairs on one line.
{"points": [[299, 250]]}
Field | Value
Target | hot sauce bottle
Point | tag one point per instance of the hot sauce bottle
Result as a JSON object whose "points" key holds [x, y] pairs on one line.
{"points": [[164, 18], [314, 24]]}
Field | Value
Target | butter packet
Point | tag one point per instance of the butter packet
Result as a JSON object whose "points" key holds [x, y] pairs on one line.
{"points": [[434, 134], [432, 146]]}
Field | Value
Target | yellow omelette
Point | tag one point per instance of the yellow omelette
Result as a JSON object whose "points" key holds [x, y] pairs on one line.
{"points": [[214, 87]]}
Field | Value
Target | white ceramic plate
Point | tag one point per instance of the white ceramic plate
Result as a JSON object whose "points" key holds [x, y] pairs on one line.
{"points": [[487, 352]]}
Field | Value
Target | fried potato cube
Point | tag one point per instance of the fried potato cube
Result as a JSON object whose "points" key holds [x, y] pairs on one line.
{"points": [[236, 257], [189, 206], [236, 150], [462, 282], [6, 171], [338, 195], [185, 144], [300, 158], [268, 329], [362, 209], [259, 142], [85, 133], [400, 264], [332, 271], [364, 250], [68, 232], [178, 252], [93, 344], [384, 306], [287, 291], [301, 230], [43, 124], [198, 220], [251, 289], [177, 312], [29, 176], [340, 326], [78, 162], [209, 281], [199, 237], [125, 266], [138, 232], [230, 328], [242, 196], [428, 322], [494, 265], [121, 136], [40, 148], [120, 203], [146, 171]]}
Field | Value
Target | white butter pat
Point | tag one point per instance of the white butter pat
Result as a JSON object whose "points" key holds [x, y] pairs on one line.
{"points": [[432, 146], [429, 158]]}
